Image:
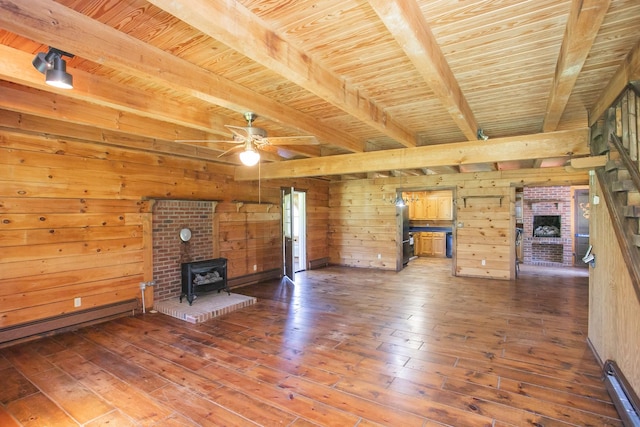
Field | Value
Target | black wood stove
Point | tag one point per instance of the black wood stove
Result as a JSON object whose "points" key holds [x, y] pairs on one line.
{"points": [[203, 276]]}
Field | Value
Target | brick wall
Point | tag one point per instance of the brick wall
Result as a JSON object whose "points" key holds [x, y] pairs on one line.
{"points": [[547, 251], [169, 217]]}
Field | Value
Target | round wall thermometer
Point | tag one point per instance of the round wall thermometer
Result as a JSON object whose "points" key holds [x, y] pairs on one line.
{"points": [[185, 234]]}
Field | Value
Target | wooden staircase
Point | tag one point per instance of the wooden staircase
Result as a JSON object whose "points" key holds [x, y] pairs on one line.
{"points": [[616, 134]]}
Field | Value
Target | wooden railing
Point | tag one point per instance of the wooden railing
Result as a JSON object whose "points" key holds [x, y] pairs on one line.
{"points": [[616, 133]]}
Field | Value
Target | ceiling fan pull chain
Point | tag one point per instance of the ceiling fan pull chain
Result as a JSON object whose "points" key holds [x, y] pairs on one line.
{"points": [[259, 186]]}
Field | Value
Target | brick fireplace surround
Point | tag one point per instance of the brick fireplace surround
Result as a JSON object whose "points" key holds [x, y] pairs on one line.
{"points": [[547, 251], [169, 217]]}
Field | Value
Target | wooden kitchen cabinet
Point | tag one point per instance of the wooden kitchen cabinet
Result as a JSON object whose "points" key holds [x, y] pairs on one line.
{"points": [[445, 207], [430, 244], [425, 248], [438, 245], [430, 205]]}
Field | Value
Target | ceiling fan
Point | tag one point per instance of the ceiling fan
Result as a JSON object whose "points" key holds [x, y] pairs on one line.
{"points": [[252, 138]]}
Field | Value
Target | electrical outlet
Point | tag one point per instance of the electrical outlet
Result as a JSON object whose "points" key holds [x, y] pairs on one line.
{"points": [[255, 267], [484, 262], [77, 302], [379, 256]]}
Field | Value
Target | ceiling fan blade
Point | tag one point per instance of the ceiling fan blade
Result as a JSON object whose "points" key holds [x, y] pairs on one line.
{"points": [[238, 131], [230, 150], [206, 141], [290, 151], [293, 140]]}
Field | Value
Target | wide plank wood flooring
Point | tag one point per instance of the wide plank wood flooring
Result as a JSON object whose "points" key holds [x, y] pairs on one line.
{"points": [[341, 347]]}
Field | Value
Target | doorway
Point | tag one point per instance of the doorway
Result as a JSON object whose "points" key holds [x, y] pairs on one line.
{"points": [[581, 210], [294, 231], [431, 217]]}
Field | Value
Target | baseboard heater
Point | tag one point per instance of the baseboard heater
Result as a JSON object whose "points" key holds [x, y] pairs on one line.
{"points": [[624, 398], [66, 321], [250, 279], [318, 263]]}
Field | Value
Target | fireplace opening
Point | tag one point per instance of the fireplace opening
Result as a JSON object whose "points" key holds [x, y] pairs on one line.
{"points": [[546, 226]]}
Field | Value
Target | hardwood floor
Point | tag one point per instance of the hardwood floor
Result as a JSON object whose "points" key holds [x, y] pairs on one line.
{"points": [[341, 347]]}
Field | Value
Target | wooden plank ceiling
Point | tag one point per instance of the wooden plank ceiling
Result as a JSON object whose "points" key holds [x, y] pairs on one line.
{"points": [[417, 77]]}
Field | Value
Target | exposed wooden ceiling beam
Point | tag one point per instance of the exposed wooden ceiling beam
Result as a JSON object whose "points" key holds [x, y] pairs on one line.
{"points": [[52, 105], [628, 71], [15, 68], [585, 19], [406, 22], [554, 144], [238, 28], [49, 105], [56, 129], [589, 162], [51, 23]]}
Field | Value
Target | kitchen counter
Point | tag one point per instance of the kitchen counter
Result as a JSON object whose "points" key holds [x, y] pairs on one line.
{"points": [[430, 229]]}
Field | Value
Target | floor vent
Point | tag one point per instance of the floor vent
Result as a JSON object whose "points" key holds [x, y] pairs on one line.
{"points": [[623, 396]]}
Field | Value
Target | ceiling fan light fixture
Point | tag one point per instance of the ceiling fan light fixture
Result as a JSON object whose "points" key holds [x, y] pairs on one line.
{"points": [[249, 157]]}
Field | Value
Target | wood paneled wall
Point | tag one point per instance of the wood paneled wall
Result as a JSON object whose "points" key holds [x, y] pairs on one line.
{"points": [[250, 234], [614, 309], [56, 250], [75, 221], [363, 222], [485, 227]]}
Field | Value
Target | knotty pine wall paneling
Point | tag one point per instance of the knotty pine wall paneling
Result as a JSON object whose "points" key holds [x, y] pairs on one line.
{"points": [[75, 221], [486, 242], [317, 218], [56, 250], [362, 226], [614, 309], [250, 236]]}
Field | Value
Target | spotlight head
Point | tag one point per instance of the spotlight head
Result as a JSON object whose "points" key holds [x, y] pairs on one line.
{"points": [[41, 63], [57, 76], [54, 68]]}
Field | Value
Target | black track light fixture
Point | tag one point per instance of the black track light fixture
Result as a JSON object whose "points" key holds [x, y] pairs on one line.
{"points": [[54, 68]]}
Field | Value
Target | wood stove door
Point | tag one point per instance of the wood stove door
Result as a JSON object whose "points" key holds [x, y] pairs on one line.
{"points": [[287, 232]]}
